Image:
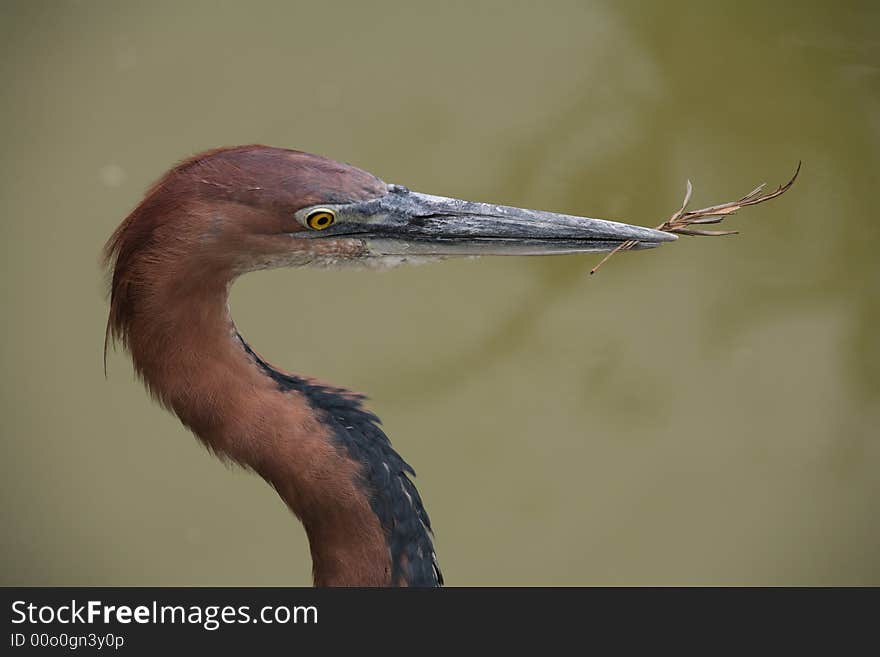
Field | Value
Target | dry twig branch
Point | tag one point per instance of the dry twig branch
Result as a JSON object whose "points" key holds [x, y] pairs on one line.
{"points": [[682, 221]]}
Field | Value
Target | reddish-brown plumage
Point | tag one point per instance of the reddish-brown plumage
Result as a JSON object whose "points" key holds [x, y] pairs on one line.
{"points": [[173, 259], [259, 187], [229, 211]]}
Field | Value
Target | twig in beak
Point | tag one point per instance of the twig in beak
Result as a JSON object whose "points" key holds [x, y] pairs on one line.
{"points": [[682, 221]]}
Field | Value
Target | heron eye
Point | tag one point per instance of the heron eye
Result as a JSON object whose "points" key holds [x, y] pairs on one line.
{"points": [[320, 219]]}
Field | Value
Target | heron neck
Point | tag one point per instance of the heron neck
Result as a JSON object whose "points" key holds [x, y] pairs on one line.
{"points": [[185, 345]]}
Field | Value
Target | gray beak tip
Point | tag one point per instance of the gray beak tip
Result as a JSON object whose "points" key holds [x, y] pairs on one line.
{"points": [[643, 234]]}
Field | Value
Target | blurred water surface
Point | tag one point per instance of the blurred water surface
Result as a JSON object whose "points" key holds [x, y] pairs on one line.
{"points": [[704, 413]]}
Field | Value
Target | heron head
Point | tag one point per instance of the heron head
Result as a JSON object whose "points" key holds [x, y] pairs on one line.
{"points": [[254, 207]]}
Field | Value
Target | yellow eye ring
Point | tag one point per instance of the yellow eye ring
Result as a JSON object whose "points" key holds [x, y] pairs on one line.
{"points": [[320, 219]]}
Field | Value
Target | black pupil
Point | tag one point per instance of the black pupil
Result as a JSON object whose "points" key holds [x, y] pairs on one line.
{"points": [[322, 220]]}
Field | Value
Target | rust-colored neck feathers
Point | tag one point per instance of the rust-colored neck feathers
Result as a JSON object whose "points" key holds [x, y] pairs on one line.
{"points": [[173, 260]]}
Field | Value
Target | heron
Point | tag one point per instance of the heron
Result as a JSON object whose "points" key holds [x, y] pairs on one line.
{"points": [[234, 210]]}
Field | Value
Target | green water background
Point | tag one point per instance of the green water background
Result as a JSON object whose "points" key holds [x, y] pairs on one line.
{"points": [[705, 413]]}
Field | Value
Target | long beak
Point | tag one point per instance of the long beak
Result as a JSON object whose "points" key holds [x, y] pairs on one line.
{"points": [[409, 223]]}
